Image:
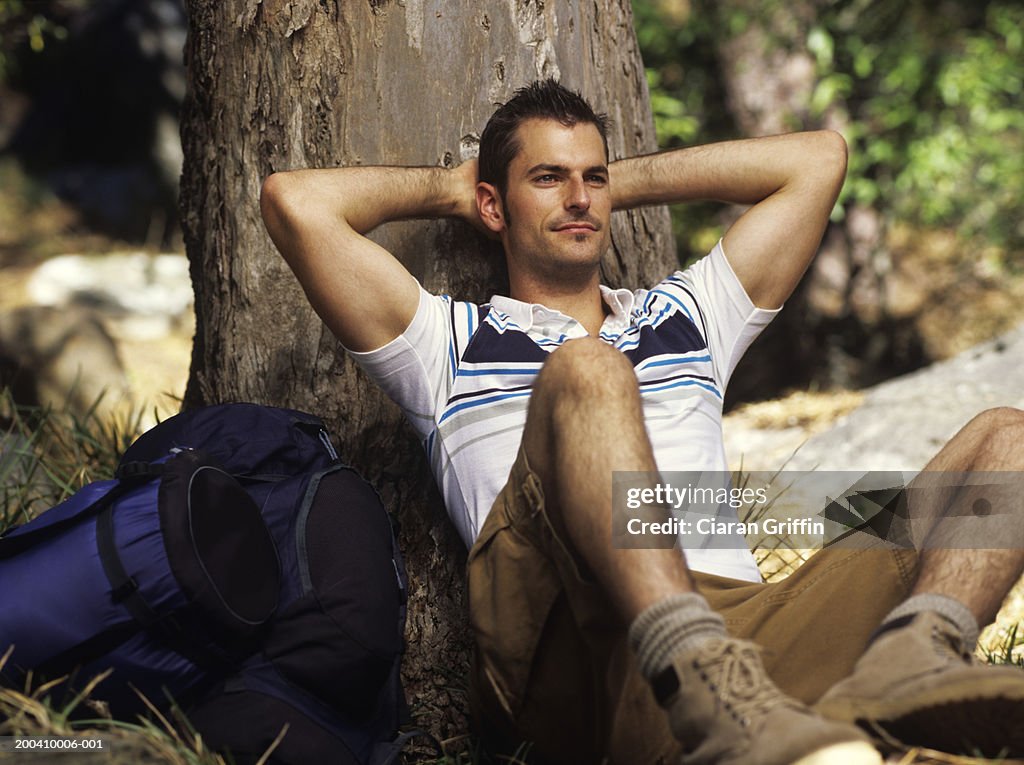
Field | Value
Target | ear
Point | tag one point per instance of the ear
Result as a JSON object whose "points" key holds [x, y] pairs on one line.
{"points": [[490, 207]]}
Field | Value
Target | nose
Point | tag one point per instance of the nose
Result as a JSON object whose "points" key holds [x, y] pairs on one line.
{"points": [[578, 195]]}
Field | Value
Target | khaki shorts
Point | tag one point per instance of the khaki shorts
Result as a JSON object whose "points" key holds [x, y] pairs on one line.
{"points": [[552, 666]]}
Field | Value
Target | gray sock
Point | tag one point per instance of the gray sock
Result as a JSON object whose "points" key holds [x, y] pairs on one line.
{"points": [[951, 609], [678, 622]]}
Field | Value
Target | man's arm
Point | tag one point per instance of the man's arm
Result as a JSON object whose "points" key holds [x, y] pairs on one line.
{"points": [[318, 219], [792, 181]]}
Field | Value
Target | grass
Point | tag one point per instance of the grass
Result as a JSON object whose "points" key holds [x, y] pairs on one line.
{"points": [[47, 454], [1008, 650], [32, 712]]}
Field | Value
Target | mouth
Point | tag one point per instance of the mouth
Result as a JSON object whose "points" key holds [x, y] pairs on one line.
{"points": [[577, 227]]}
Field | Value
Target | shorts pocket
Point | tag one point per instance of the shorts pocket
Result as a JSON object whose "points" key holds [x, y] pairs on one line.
{"points": [[512, 587]]}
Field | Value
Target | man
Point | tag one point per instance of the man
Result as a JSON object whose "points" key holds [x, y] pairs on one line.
{"points": [[528, 405]]}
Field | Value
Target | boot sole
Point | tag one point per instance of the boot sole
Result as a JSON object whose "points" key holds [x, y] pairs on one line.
{"points": [[849, 753], [967, 720]]}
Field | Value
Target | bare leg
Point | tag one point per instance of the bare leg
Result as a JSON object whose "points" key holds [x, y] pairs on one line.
{"points": [[586, 421], [978, 578], [916, 679]]}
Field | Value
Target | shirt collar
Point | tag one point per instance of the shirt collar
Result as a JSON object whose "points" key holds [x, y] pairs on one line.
{"points": [[620, 301]]}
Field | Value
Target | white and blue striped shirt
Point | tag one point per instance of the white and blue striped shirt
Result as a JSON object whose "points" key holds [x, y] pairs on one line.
{"points": [[462, 374]]}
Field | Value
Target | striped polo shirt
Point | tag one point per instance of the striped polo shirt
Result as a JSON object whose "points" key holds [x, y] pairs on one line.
{"points": [[462, 373]]}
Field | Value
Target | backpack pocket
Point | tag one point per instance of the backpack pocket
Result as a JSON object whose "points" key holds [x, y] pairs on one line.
{"points": [[342, 637], [218, 547]]}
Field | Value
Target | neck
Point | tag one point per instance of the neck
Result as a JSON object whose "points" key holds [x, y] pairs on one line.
{"points": [[582, 303]]}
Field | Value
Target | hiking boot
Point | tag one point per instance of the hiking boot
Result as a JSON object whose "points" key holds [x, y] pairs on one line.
{"points": [[917, 684], [724, 710]]}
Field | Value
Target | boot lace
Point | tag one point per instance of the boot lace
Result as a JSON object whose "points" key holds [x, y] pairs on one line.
{"points": [[950, 646], [734, 672]]}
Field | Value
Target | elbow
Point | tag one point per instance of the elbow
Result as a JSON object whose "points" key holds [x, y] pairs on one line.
{"points": [[274, 195], [831, 156], [278, 204]]}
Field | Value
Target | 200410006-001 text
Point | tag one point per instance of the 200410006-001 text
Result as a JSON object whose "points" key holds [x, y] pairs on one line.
{"points": [[50, 743]]}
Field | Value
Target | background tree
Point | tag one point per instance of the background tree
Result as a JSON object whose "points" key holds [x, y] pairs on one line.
{"points": [[277, 85], [927, 246]]}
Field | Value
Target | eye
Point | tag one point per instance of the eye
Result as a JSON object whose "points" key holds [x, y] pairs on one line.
{"points": [[546, 178]]}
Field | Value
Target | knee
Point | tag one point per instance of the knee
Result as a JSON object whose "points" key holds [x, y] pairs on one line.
{"points": [[998, 419], [1002, 428], [588, 368]]}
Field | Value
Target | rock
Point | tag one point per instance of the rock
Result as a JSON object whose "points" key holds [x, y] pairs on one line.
{"points": [[143, 296], [141, 302], [901, 423], [61, 358]]}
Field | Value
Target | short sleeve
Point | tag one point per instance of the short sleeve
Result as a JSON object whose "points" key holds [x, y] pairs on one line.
{"points": [[417, 368], [411, 369], [728, 318]]}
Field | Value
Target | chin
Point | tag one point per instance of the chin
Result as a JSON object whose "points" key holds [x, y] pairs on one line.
{"points": [[578, 265]]}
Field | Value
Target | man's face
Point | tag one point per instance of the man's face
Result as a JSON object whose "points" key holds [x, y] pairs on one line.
{"points": [[557, 203]]}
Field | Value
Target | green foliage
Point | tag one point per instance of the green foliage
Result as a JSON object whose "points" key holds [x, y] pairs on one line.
{"points": [[928, 93], [687, 100], [937, 132], [678, 51]]}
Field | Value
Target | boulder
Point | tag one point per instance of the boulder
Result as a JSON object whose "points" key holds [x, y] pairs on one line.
{"points": [[900, 424], [61, 358]]}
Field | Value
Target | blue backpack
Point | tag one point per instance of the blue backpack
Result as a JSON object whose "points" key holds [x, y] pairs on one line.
{"points": [[234, 565]]}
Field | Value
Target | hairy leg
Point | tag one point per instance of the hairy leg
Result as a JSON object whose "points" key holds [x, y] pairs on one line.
{"points": [[961, 517], [585, 421], [916, 680]]}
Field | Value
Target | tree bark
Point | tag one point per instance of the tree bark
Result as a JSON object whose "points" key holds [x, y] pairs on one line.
{"points": [[282, 84]]}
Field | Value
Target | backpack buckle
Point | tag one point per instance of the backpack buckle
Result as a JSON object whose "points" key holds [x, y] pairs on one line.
{"points": [[130, 472], [125, 589]]}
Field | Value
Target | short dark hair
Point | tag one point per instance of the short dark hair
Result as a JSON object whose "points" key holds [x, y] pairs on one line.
{"points": [[543, 99]]}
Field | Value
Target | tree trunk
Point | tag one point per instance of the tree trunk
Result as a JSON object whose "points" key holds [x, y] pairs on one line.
{"points": [[769, 76], [839, 328], [283, 84]]}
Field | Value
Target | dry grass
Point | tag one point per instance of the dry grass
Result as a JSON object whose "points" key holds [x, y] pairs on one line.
{"points": [[917, 756], [813, 412], [31, 712]]}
